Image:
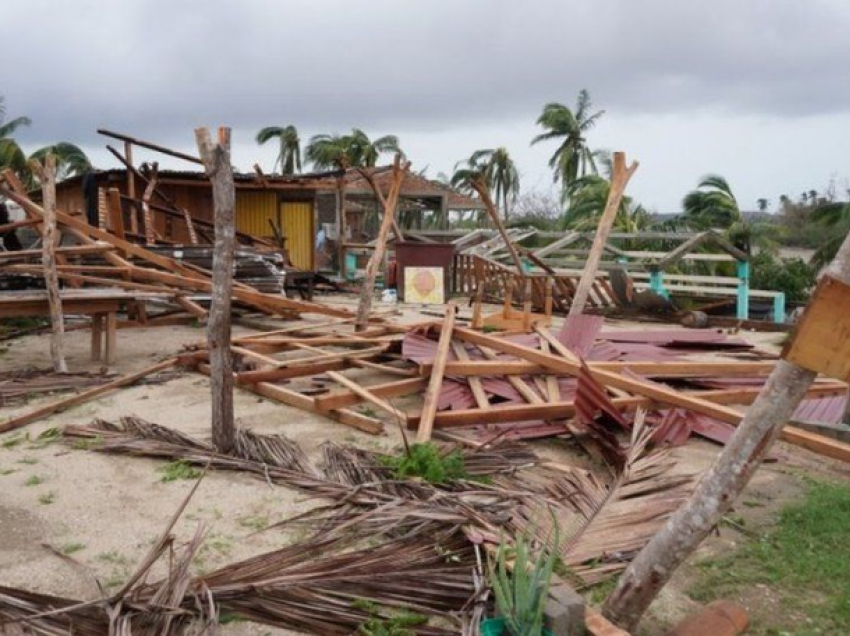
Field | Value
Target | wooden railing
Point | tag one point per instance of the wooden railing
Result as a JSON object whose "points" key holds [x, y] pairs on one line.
{"points": [[498, 280]]}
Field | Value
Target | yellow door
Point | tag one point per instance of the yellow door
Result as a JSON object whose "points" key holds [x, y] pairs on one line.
{"points": [[254, 210], [296, 224]]}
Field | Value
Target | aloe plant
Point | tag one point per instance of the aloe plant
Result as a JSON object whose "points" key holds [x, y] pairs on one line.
{"points": [[520, 584]]}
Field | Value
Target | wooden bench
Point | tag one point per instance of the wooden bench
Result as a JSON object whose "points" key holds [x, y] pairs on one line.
{"points": [[101, 304]]}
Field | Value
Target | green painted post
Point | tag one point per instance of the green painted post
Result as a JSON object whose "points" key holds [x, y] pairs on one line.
{"points": [[779, 308], [743, 308], [656, 283]]}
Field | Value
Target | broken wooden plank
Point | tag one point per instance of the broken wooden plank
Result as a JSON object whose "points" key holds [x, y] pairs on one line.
{"points": [[85, 396], [435, 384], [367, 395]]}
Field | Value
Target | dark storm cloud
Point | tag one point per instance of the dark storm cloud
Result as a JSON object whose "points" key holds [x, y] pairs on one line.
{"points": [[158, 68]]}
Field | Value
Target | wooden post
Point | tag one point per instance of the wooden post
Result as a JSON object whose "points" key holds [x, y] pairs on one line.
{"points": [[480, 186], [719, 487], [367, 290], [47, 175], [216, 158], [435, 383], [131, 186], [150, 233], [342, 225], [619, 180], [116, 215]]}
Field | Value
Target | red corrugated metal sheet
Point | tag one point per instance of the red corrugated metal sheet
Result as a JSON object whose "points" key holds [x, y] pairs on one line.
{"points": [[579, 332]]}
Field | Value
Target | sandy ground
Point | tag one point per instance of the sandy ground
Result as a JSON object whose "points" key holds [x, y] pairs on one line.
{"points": [[111, 509]]}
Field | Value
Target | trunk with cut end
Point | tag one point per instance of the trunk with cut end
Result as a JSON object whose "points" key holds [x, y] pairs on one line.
{"points": [[719, 487], [619, 180], [216, 157], [47, 176]]}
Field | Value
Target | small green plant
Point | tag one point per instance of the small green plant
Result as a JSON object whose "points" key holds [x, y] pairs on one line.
{"points": [[8, 471], [254, 522], [14, 440], [399, 623], [72, 547], [180, 469], [521, 594], [34, 480], [88, 443], [46, 437], [47, 498], [28, 460], [426, 462]]}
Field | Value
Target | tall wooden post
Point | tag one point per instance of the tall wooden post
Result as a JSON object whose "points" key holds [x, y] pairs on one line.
{"points": [[367, 290], [216, 158], [480, 186], [47, 175], [131, 187], [147, 213], [619, 180], [719, 487]]}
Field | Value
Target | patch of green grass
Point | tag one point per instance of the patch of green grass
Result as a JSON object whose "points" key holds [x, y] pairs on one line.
{"points": [[599, 592], [180, 469], [28, 460], [72, 547], [369, 411], [387, 623], [803, 560], [47, 498], [428, 463], [34, 480], [46, 437], [8, 471], [114, 557], [254, 522], [88, 443], [15, 440]]}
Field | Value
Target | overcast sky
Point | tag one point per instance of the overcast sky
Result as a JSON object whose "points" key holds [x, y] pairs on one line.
{"points": [[757, 90]]}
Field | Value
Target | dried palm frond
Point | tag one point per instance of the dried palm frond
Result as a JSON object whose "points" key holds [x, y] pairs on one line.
{"points": [[604, 526]]}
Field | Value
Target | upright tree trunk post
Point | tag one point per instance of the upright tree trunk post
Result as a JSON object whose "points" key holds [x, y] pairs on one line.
{"points": [[147, 213], [216, 158], [367, 291], [719, 487], [619, 180], [47, 175]]}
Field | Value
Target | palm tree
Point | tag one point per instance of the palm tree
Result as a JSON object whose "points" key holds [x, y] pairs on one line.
{"points": [[70, 159], [366, 152], [11, 155], [289, 157], [498, 171], [328, 152], [835, 220], [587, 199], [572, 159], [762, 204], [500, 174], [712, 204]]}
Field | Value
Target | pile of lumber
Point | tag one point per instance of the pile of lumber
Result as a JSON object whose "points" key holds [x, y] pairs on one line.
{"points": [[135, 267]]}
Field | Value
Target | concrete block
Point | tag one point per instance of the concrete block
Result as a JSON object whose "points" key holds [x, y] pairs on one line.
{"points": [[564, 614]]}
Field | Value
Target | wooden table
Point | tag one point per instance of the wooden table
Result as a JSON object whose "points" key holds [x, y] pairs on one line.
{"points": [[101, 304]]}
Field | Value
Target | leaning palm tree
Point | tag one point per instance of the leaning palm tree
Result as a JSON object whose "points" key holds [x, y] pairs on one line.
{"points": [[572, 158], [289, 156], [712, 204], [498, 171], [588, 197]]}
